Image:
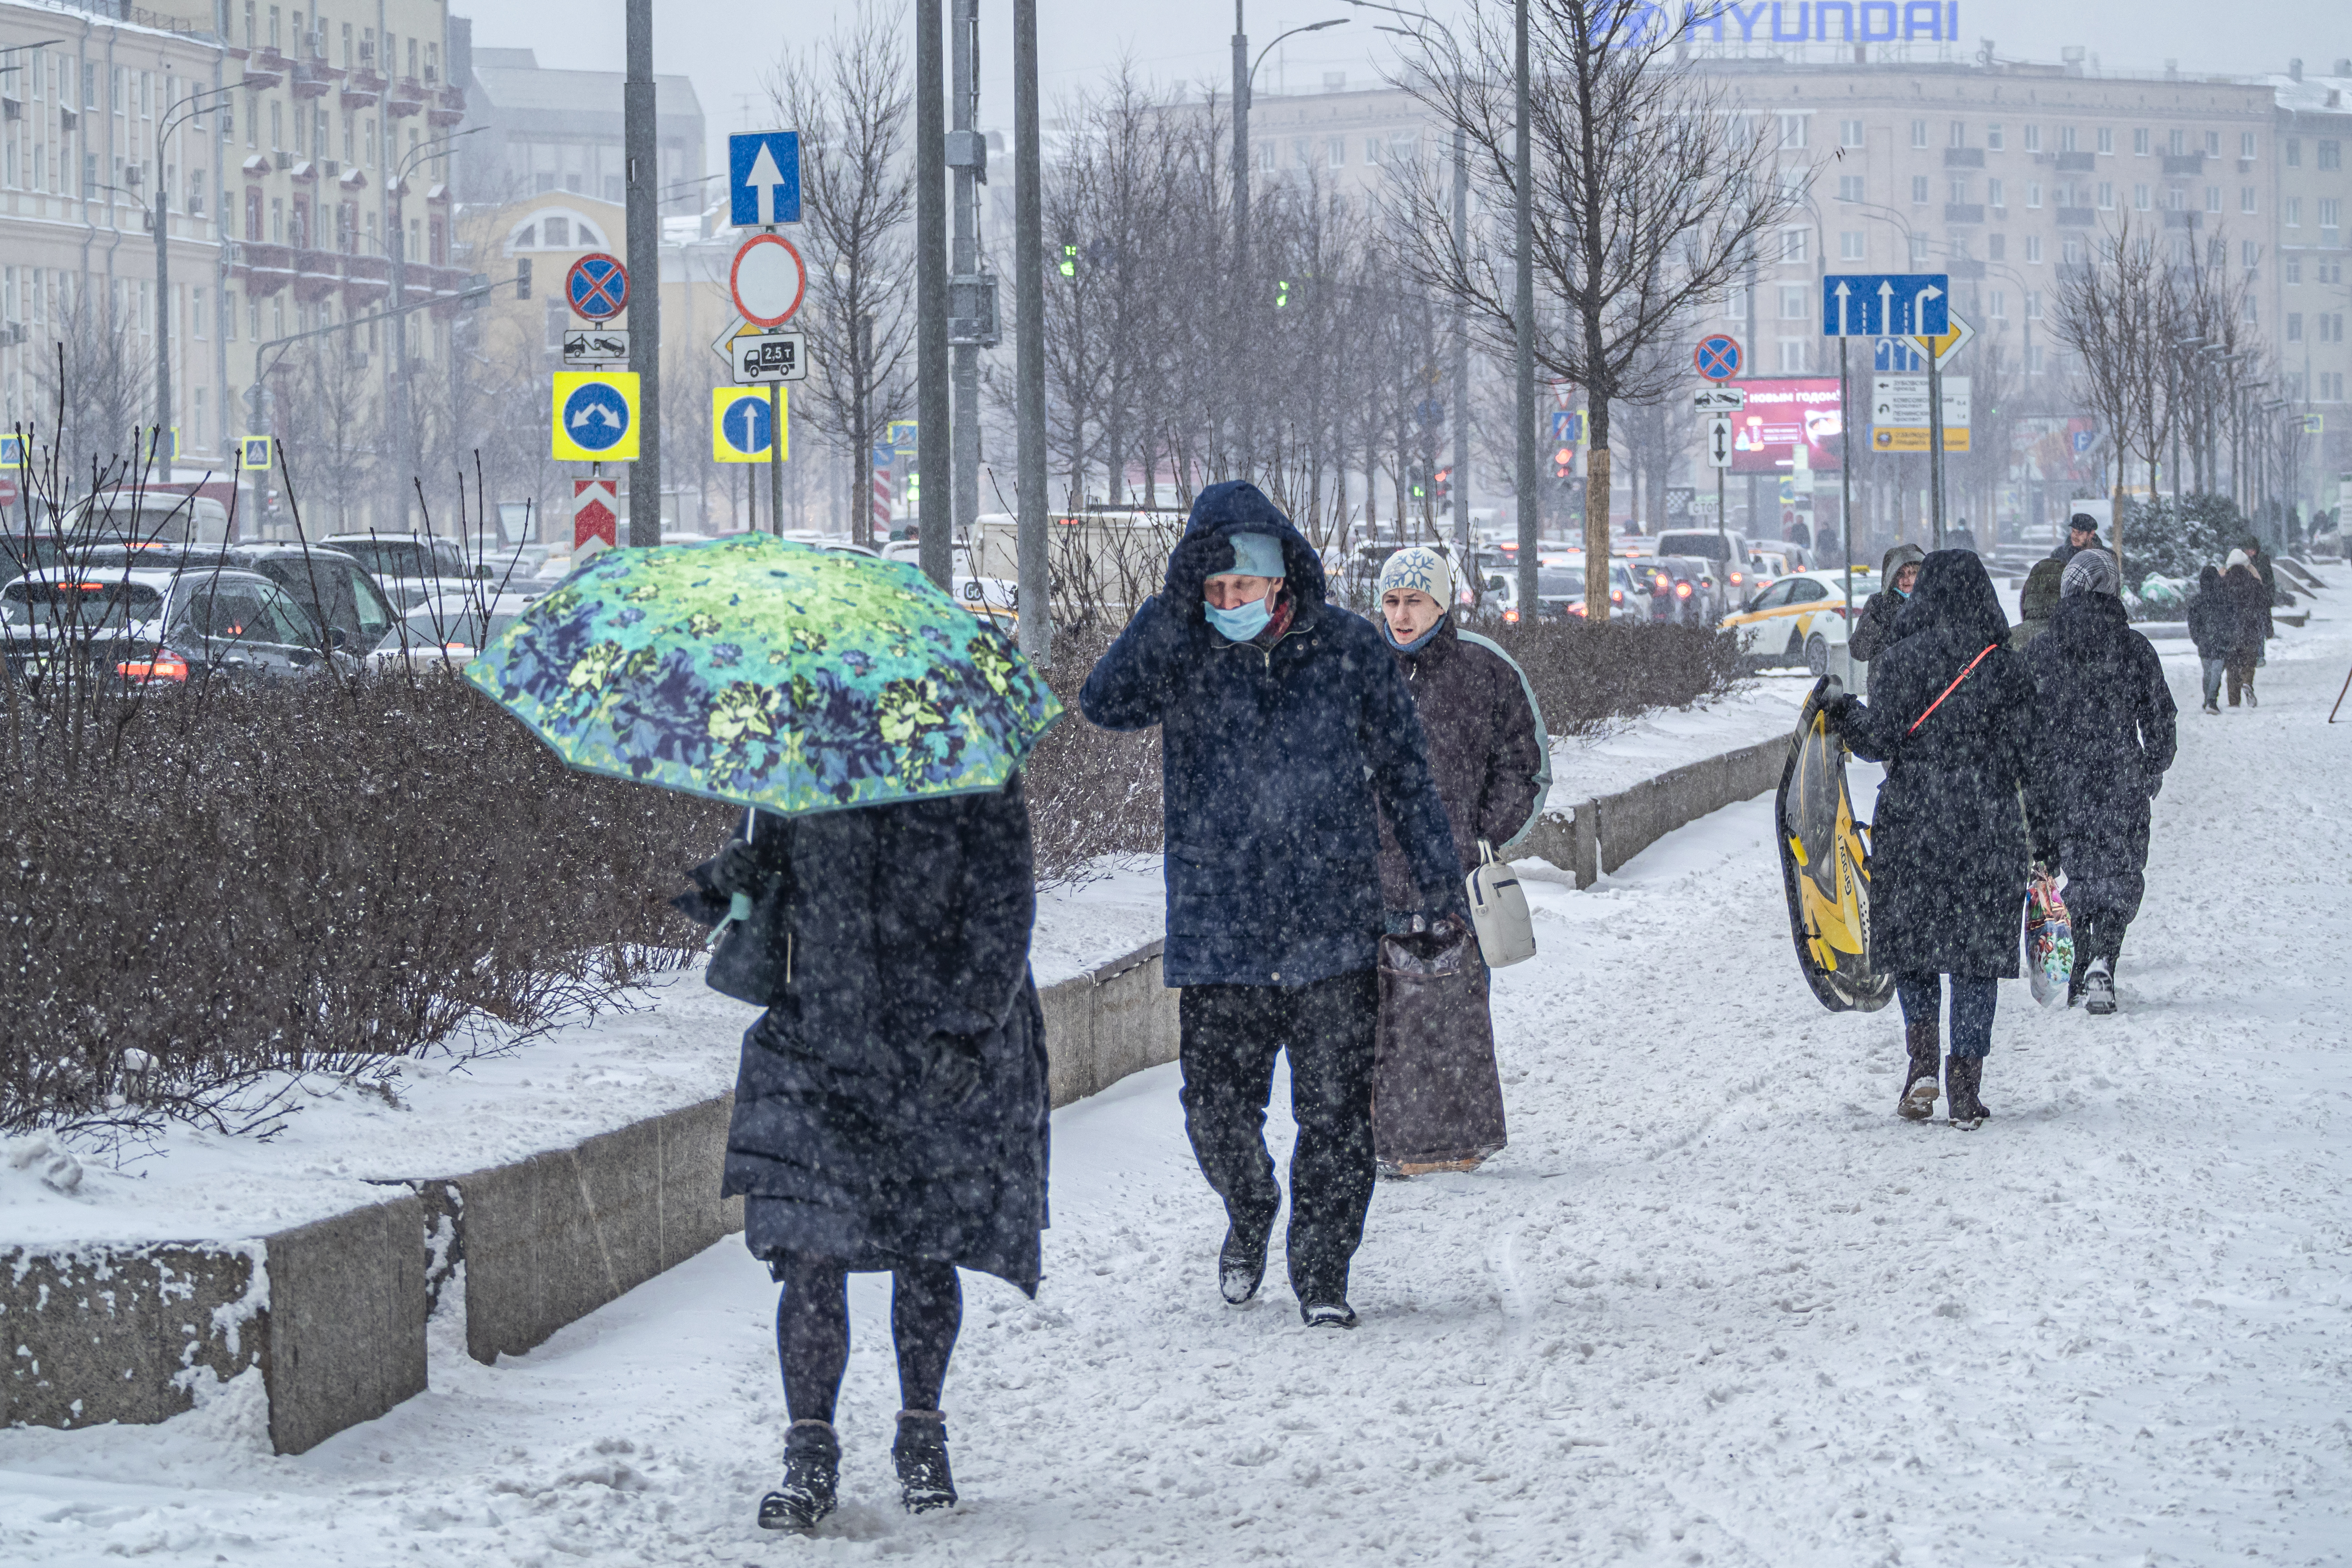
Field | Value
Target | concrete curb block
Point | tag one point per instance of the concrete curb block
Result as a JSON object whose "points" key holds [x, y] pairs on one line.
{"points": [[334, 1312]]}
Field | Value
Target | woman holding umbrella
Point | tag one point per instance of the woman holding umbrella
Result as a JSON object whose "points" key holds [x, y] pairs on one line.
{"points": [[1952, 713], [891, 1105]]}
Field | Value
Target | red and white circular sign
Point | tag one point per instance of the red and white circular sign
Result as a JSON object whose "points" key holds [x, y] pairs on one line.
{"points": [[767, 279]]}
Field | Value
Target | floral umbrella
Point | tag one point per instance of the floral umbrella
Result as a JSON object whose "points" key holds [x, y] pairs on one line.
{"points": [[772, 675]]}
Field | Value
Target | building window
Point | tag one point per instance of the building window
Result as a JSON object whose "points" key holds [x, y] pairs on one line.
{"points": [[2245, 198], [1918, 133], [1794, 245], [2033, 194], [1372, 151], [2293, 270], [1960, 190], [2140, 198], [2331, 386], [2331, 155], [2329, 207], [2294, 212], [1848, 133], [1793, 356], [2108, 141], [1993, 137], [201, 443], [2212, 144], [2246, 146], [2033, 361], [278, 220], [1338, 151], [1302, 154], [1853, 245], [2212, 198], [1849, 188], [2176, 142], [2139, 143], [2033, 139], [1792, 130], [1920, 189], [2070, 253], [2295, 153], [1918, 250], [1959, 133], [2034, 304], [2106, 195], [1993, 196], [1997, 305], [2175, 198], [2066, 138], [2295, 326], [1793, 300]]}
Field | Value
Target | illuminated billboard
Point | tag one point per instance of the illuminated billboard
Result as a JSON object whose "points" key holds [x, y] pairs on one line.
{"points": [[1779, 415]]}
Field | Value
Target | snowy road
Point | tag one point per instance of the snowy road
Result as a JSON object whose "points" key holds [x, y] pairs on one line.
{"points": [[1715, 1304]]}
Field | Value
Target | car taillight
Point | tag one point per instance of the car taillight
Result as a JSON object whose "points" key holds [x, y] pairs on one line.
{"points": [[165, 666], [1681, 590], [1737, 579], [1511, 616], [1576, 609], [1616, 596]]}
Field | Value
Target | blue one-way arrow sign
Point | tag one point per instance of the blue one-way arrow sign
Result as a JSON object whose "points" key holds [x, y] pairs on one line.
{"points": [[1887, 304], [763, 178]]}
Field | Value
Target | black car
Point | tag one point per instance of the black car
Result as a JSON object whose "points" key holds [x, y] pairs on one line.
{"points": [[332, 589], [157, 627]]}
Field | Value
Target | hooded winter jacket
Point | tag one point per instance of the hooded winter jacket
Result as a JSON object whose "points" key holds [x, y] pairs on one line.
{"points": [[1950, 848], [1278, 758], [1486, 747], [909, 936], [2107, 735], [2036, 602], [2249, 625], [1873, 630], [2208, 614]]}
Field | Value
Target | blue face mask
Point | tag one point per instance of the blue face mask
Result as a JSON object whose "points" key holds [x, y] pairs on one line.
{"points": [[1244, 621]]}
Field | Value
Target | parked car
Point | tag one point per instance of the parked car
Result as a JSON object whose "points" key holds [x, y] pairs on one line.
{"points": [[1681, 589], [1555, 591], [450, 630], [160, 626], [411, 568], [144, 519], [1798, 620], [335, 590], [1727, 552]]}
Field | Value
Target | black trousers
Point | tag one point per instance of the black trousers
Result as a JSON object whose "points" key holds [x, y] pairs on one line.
{"points": [[1229, 1037], [812, 1331]]}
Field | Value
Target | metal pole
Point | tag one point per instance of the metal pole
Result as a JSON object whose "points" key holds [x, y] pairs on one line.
{"points": [[1523, 311], [1846, 488], [1461, 486], [1240, 222], [776, 458], [641, 146], [964, 62], [1935, 449], [397, 397], [1029, 330], [163, 324], [932, 434]]}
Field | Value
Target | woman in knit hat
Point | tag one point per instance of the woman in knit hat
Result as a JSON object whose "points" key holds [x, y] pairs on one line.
{"points": [[1437, 1099]]}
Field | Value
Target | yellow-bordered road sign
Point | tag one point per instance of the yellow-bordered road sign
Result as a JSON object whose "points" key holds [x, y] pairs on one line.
{"points": [[15, 452], [740, 421], [254, 452], [595, 417]]}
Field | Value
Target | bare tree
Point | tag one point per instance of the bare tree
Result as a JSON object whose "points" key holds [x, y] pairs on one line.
{"points": [[1649, 193], [2110, 315], [851, 100], [94, 353]]}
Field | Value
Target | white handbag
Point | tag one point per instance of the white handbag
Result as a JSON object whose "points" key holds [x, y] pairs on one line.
{"points": [[1498, 912]]}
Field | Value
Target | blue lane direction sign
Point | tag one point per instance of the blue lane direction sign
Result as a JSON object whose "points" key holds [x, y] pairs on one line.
{"points": [[598, 287], [1898, 356], [763, 178], [1716, 356], [743, 426], [1886, 304]]}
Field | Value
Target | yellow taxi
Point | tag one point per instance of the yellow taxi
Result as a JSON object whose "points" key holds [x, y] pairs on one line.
{"points": [[1798, 619]]}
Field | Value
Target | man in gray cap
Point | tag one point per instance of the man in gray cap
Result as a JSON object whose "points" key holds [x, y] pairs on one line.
{"points": [[2082, 533]]}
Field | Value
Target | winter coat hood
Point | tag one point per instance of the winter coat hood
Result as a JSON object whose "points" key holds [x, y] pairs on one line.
{"points": [[1954, 594], [2084, 623], [2040, 594], [1221, 510], [1896, 559], [2209, 579]]}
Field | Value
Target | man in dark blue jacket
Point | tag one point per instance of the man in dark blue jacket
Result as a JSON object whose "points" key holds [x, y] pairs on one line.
{"points": [[1284, 723]]}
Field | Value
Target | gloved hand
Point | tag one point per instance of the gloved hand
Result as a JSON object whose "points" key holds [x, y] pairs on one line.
{"points": [[1839, 711], [1195, 560], [951, 1072]]}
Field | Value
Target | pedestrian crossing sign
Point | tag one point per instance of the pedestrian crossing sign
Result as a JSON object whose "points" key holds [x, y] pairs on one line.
{"points": [[254, 452], [13, 453], [742, 427]]}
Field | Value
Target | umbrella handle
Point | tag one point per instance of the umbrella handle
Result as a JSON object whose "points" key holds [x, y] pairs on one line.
{"points": [[738, 908]]}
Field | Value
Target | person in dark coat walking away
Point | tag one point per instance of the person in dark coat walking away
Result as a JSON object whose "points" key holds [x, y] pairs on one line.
{"points": [[1875, 628], [2082, 533], [2107, 735], [2208, 614], [892, 1108], [2259, 559], [1952, 714], [1285, 734], [2249, 625], [1437, 1098], [2036, 603]]}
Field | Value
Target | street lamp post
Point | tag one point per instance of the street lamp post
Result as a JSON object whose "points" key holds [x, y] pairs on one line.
{"points": [[1523, 311], [406, 401]]}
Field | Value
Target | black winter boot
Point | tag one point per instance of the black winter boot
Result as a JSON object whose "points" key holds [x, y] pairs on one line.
{"points": [[812, 1475], [921, 1453], [1920, 1039], [1240, 1261], [1962, 1078]]}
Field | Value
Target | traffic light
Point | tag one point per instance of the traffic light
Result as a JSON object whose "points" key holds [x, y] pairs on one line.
{"points": [[1563, 463], [1069, 261], [1417, 479], [1281, 292], [522, 279], [914, 490], [1442, 486]]}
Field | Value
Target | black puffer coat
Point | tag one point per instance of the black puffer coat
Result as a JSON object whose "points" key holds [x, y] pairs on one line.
{"points": [[1950, 848], [1486, 748], [2208, 615], [908, 934], [2108, 732], [2249, 624]]}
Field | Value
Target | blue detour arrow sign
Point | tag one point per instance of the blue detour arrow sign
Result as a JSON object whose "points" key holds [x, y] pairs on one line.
{"points": [[763, 178], [595, 417], [1886, 304]]}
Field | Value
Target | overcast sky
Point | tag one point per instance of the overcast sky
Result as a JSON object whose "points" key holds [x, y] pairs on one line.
{"points": [[714, 41]]}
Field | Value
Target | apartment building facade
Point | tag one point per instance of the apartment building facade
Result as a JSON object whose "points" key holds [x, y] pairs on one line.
{"points": [[545, 132]]}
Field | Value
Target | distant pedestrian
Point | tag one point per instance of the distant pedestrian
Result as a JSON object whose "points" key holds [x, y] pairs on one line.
{"points": [[2248, 625], [2208, 614], [2260, 560], [1875, 628], [2036, 602], [891, 1110], [1286, 732], [1952, 713], [2082, 533], [1437, 1097], [2108, 733]]}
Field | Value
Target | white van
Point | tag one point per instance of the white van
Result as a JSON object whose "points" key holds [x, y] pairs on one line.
{"points": [[140, 518]]}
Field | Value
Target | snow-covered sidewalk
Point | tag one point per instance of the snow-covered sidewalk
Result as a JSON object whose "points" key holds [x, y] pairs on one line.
{"points": [[1715, 1304]]}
